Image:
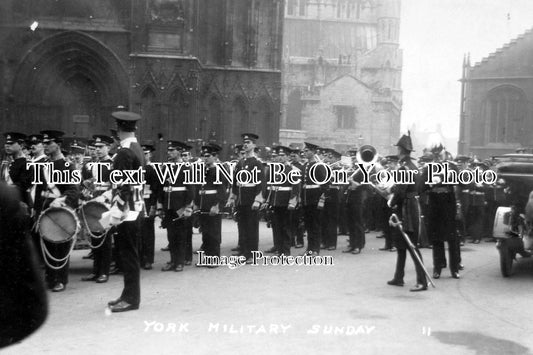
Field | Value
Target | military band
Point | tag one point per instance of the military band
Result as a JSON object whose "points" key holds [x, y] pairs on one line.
{"points": [[431, 214]]}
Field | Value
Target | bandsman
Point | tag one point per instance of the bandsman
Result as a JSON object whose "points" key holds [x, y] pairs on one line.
{"points": [[127, 206], [282, 200], [152, 189], [312, 196], [101, 245], [246, 196], [208, 201], [60, 195], [175, 201]]}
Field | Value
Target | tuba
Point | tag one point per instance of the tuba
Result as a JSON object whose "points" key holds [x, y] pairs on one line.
{"points": [[367, 154]]}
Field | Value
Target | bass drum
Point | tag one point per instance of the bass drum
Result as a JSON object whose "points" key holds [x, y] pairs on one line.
{"points": [[58, 225]]}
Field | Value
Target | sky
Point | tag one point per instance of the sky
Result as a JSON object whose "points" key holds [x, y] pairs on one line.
{"points": [[434, 36]]}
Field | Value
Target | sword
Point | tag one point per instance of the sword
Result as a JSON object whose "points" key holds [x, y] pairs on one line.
{"points": [[395, 222]]}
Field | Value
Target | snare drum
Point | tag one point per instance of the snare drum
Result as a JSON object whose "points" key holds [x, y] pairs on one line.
{"points": [[58, 225], [90, 215]]}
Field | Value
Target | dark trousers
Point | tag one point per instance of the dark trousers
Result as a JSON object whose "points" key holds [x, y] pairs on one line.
{"points": [[297, 227], [476, 216], [330, 218], [248, 224], [439, 257], [147, 240], [281, 230], [177, 236], [102, 255], [356, 227], [127, 240], [188, 239], [211, 233], [400, 266], [58, 251], [312, 225]]}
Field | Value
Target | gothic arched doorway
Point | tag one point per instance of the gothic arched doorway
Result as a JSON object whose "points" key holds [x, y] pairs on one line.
{"points": [[70, 82]]}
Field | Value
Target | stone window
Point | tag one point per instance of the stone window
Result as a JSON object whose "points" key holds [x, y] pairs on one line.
{"points": [[505, 112], [345, 116]]}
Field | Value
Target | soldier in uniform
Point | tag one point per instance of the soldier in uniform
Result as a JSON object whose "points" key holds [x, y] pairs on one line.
{"points": [[297, 223], [209, 199], [442, 210], [102, 193], [330, 213], [247, 196], [391, 164], [187, 157], [312, 197], [282, 200], [175, 201], [404, 202], [37, 149], [151, 191], [355, 199], [61, 195], [15, 173], [127, 205]]}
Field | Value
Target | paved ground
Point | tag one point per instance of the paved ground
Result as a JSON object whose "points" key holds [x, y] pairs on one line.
{"points": [[342, 309]]}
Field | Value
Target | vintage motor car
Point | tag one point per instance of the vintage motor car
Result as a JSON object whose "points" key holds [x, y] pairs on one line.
{"points": [[513, 222]]}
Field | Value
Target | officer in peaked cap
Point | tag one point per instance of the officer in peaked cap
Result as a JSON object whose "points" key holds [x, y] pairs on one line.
{"points": [[282, 200], [58, 196], [175, 203], [297, 223], [14, 172], [312, 196], [209, 199], [443, 207], [247, 197], [99, 187], [127, 206], [330, 213], [151, 191]]}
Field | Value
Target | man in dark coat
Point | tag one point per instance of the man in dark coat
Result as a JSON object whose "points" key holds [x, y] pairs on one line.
{"points": [[443, 208], [16, 173], [404, 202], [23, 303], [127, 207]]}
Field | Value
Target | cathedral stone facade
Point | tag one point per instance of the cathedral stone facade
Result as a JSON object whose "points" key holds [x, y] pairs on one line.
{"points": [[196, 70]]}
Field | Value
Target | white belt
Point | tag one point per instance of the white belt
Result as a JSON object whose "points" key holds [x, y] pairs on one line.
{"points": [[246, 185], [102, 188], [174, 189], [311, 187], [279, 188], [334, 187], [208, 192]]}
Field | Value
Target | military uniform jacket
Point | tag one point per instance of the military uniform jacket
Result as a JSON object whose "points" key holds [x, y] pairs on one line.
{"points": [[209, 194], [280, 195], [246, 193], [105, 184], [177, 195], [355, 195], [152, 188], [70, 191], [20, 177], [404, 197], [311, 192], [128, 197], [38, 189]]}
